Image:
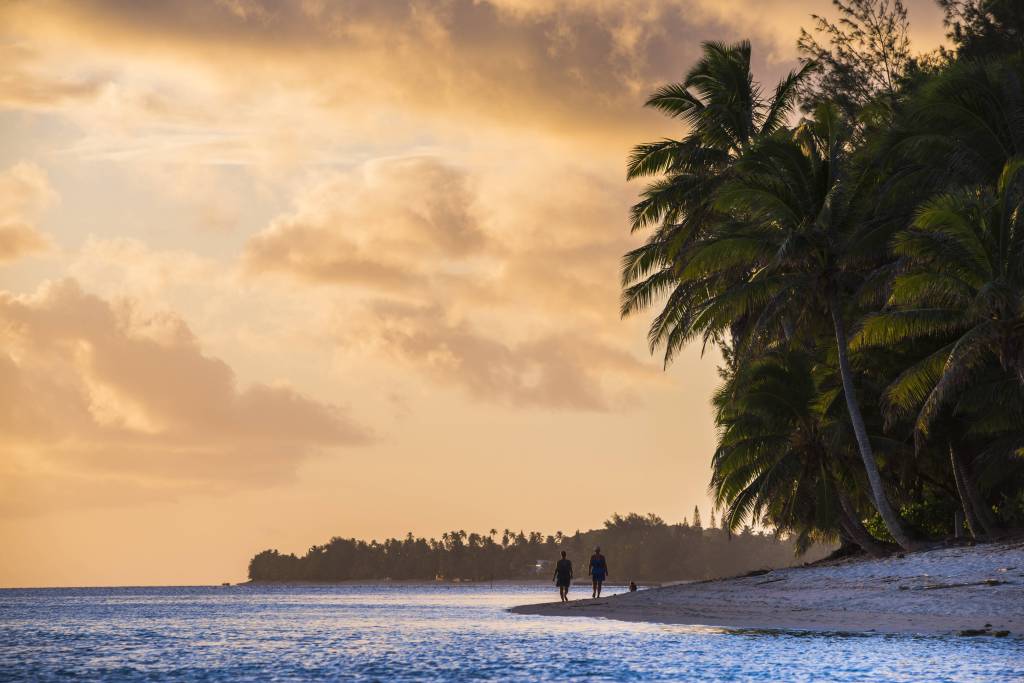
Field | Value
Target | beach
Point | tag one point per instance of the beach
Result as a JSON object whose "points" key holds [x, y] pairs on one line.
{"points": [[975, 590]]}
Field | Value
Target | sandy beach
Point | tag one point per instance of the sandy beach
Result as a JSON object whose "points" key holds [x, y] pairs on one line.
{"points": [[949, 590]]}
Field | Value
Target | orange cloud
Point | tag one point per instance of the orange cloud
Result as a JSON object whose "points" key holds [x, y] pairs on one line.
{"points": [[24, 85], [297, 82], [576, 69], [551, 371], [383, 224], [91, 386], [24, 192], [417, 207], [487, 290]]}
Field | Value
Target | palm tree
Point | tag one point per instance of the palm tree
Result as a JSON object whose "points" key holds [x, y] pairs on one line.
{"points": [[783, 260], [767, 242], [960, 280], [729, 222], [959, 129], [813, 206], [773, 462], [725, 112]]}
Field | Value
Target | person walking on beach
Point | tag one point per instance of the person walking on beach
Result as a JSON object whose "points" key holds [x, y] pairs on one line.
{"points": [[598, 570], [563, 577]]}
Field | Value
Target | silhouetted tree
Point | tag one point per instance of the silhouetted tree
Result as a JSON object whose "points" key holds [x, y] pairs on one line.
{"points": [[862, 56], [869, 254], [639, 547], [985, 28]]}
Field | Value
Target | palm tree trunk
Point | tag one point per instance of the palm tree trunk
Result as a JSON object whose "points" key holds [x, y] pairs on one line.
{"points": [[892, 521], [855, 529], [787, 329], [973, 524], [978, 519]]}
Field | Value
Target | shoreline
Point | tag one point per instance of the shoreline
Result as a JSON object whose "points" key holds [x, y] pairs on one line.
{"points": [[347, 582], [447, 582], [975, 590]]}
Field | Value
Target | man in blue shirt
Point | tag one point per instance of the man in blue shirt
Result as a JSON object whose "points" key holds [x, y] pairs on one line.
{"points": [[598, 570]]}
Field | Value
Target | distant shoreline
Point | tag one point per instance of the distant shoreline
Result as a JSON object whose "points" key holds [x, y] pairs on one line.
{"points": [[968, 590], [352, 582], [347, 582], [425, 582]]}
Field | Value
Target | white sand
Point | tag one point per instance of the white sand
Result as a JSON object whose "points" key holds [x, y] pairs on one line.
{"points": [[937, 591]]}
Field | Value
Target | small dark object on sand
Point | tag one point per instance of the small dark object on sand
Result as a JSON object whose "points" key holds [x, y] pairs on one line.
{"points": [[1000, 634], [974, 632]]}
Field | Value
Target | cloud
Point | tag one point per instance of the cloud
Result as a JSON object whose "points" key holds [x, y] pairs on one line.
{"points": [[94, 386], [512, 234], [285, 71], [274, 84], [547, 371], [24, 193], [416, 208], [381, 225], [481, 277], [26, 84]]}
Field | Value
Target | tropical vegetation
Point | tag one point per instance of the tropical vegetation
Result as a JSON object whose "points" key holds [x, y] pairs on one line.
{"points": [[851, 242], [638, 548]]}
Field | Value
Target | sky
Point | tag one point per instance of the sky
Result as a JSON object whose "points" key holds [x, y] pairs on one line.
{"points": [[273, 272]]}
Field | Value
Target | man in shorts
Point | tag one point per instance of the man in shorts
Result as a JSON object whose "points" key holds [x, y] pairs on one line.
{"points": [[598, 570], [563, 577]]}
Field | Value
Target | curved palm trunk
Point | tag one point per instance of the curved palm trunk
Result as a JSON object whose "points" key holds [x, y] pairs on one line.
{"points": [[975, 510], [973, 523], [892, 521], [855, 529]]}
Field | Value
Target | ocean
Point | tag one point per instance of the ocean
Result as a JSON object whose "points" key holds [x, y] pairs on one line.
{"points": [[393, 632]]}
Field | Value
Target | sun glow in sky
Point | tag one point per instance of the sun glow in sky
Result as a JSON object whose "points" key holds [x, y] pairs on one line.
{"points": [[276, 271]]}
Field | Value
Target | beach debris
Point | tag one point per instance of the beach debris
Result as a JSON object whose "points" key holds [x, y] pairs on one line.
{"points": [[757, 572], [986, 582], [987, 631], [761, 583]]}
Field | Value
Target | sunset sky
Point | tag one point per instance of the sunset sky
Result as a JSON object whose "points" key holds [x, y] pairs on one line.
{"points": [[272, 272]]}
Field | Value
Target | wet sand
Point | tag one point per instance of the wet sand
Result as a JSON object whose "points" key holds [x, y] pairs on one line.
{"points": [[949, 590]]}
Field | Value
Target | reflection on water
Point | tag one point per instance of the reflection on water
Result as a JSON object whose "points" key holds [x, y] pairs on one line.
{"points": [[402, 632]]}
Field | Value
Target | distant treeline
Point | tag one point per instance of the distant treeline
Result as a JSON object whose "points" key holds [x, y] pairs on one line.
{"points": [[638, 548]]}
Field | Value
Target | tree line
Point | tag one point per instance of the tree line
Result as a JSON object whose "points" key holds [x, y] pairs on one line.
{"points": [[638, 548], [852, 241]]}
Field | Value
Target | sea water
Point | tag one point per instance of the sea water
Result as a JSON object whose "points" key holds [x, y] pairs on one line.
{"points": [[432, 632]]}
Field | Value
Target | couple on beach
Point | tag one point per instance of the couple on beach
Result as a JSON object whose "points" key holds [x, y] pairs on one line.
{"points": [[598, 571]]}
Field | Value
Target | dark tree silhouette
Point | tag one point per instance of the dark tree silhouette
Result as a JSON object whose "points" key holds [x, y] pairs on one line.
{"points": [[642, 547], [861, 271], [862, 56], [985, 28]]}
